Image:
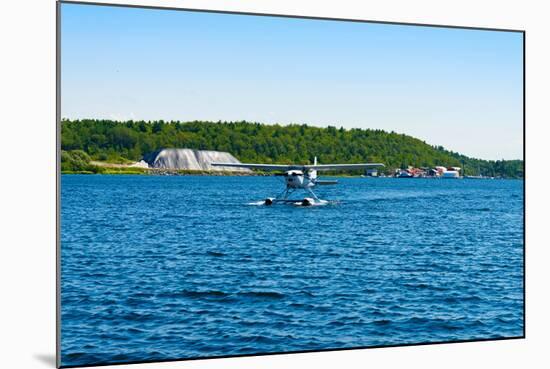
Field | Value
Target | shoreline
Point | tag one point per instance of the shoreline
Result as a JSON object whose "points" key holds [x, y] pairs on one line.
{"points": [[176, 173], [135, 168]]}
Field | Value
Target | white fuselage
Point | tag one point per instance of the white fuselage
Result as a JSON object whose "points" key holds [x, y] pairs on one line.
{"points": [[297, 179]]}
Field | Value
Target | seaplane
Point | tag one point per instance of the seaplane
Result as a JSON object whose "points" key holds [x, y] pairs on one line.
{"points": [[300, 177]]}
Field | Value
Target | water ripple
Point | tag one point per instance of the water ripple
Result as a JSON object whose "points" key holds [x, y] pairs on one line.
{"points": [[153, 269]]}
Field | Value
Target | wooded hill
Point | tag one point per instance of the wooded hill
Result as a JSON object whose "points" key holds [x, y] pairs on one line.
{"points": [[113, 141]]}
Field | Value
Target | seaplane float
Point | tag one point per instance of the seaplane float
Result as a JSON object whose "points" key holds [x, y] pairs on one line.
{"points": [[300, 177]]}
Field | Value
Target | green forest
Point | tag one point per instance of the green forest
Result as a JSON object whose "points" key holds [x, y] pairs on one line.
{"points": [[121, 142]]}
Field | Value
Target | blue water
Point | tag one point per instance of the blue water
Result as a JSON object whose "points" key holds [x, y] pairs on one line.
{"points": [[156, 267]]}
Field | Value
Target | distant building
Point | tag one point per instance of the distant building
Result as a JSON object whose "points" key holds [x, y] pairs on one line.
{"points": [[372, 172], [440, 170], [451, 174], [432, 172], [425, 172], [411, 172]]}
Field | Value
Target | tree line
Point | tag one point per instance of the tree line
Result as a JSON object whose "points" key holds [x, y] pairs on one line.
{"points": [[119, 142]]}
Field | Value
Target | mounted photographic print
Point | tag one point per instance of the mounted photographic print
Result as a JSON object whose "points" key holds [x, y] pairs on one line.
{"points": [[245, 184]]}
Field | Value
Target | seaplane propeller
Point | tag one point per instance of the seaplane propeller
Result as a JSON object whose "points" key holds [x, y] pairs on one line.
{"points": [[300, 177]]}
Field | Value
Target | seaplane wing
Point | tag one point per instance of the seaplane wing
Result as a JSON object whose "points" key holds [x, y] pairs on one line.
{"points": [[259, 166], [286, 167], [342, 166]]}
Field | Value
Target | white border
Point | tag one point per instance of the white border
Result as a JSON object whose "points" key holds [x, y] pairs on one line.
{"points": [[27, 144]]}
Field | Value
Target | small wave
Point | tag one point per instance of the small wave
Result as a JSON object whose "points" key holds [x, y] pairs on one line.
{"points": [[133, 330], [263, 294], [213, 293], [418, 320], [457, 299], [78, 355], [193, 294], [256, 339], [505, 320], [298, 305], [134, 301], [174, 216], [137, 317], [482, 209], [81, 358], [256, 203], [423, 286], [143, 295], [434, 323], [215, 253], [369, 291], [96, 275], [382, 322]]}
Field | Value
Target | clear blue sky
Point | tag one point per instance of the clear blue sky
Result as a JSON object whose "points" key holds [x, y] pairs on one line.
{"points": [[461, 89]]}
